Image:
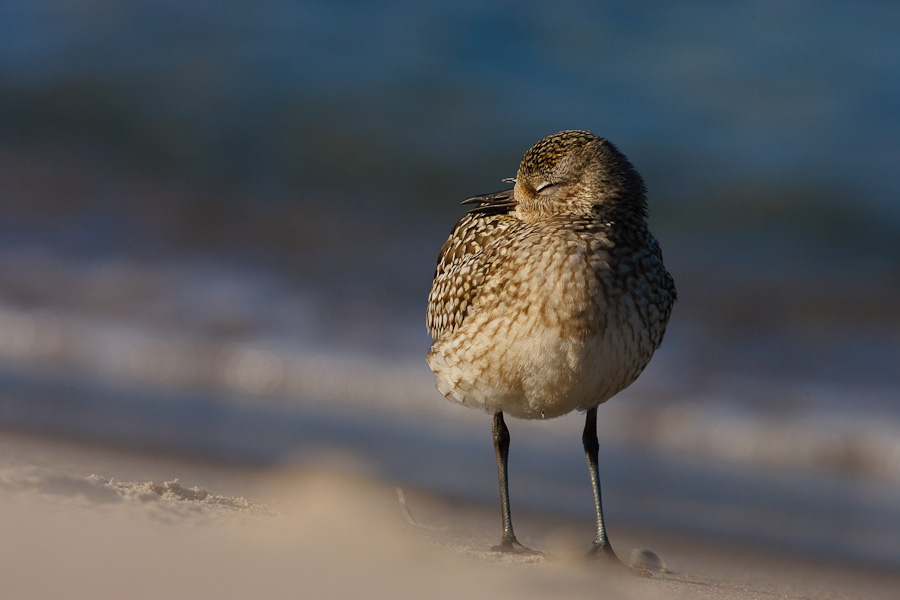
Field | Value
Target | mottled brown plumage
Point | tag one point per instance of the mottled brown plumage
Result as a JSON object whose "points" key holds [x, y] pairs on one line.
{"points": [[550, 297]]}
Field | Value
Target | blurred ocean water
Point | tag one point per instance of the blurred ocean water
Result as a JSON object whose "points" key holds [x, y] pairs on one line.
{"points": [[220, 227], [400, 96]]}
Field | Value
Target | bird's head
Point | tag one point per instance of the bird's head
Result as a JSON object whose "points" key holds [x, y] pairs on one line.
{"points": [[579, 174]]}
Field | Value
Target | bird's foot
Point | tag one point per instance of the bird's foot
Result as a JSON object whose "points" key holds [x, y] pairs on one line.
{"points": [[511, 545], [603, 553]]}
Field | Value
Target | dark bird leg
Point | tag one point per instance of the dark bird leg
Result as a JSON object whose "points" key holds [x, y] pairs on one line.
{"points": [[508, 542], [600, 548]]}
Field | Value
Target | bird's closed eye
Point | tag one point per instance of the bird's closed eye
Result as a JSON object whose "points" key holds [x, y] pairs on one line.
{"points": [[546, 187]]}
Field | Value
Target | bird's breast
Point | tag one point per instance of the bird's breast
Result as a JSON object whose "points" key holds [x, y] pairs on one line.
{"points": [[552, 330]]}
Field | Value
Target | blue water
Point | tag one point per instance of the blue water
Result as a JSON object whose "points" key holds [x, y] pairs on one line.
{"points": [[220, 226], [395, 95]]}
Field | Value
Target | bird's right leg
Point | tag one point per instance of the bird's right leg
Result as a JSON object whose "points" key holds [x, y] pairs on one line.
{"points": [[508, 542], [601, 547]]}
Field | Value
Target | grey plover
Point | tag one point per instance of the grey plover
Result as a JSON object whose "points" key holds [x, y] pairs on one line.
{"points": [[550, 297]]}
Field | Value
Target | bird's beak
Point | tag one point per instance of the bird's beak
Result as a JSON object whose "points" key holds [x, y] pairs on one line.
{"points": [[497, 202]]}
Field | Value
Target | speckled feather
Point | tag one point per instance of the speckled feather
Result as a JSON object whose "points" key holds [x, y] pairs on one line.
{"points": [[553, 297]]}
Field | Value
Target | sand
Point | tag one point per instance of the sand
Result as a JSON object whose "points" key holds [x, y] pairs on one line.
{"points": [[80, 521]]}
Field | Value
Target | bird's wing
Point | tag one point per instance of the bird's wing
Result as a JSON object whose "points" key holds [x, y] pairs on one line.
{"points": [[462, 269]]}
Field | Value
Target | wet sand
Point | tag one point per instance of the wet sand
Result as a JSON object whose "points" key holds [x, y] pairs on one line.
{"points": [[83, 521]]}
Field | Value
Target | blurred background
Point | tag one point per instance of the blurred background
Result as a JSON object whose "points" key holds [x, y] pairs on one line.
{"points": [[220, 222]]}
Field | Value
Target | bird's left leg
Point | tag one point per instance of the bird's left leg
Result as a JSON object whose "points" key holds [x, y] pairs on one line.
{"points": [[508, 543]]}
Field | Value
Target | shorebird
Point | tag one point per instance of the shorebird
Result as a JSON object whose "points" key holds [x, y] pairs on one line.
{"points": [[550, 297]]}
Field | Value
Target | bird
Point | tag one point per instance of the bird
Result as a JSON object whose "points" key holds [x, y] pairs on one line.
{"points": [[550, 297]]}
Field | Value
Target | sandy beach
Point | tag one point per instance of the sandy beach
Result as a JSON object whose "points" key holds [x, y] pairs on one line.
{"points": [[83, 521]]}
